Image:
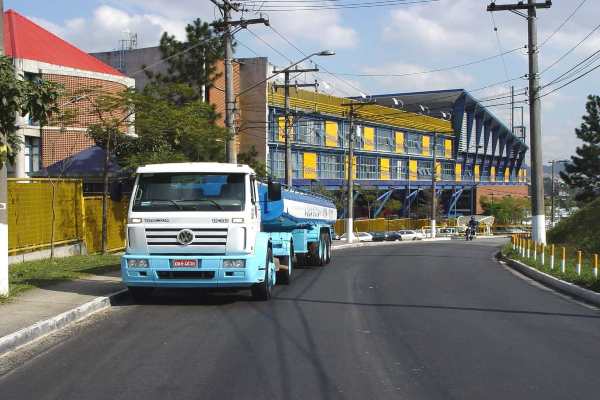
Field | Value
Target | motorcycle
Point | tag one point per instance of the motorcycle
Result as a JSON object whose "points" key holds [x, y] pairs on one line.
{"points": [[469, 233]]}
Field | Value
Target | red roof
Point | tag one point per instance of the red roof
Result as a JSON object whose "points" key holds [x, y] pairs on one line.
{"points": [[26, 40]]}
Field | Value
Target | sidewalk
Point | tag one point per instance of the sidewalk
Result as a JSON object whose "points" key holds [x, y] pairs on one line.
{"points": [[40, 304]]}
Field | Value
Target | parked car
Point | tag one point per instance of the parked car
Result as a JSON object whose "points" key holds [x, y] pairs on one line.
{"points": [[379, 236], [360, 236], [410, 235], [447, 232], [393, 236]]}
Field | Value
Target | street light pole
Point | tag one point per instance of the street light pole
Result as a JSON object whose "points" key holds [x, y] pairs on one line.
{"points": [[553, 191], [3, 194], [433, 189]]}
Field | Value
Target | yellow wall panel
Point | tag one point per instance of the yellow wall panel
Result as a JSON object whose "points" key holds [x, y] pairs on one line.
{"points": [[476, 173], [369, 136], [506, 174], [310, 165], [354, 171], [425, 151], [412, 170], [458, 172], [448, 148], [493, 174], [384, 166], [281, 129], [438, 170], [331, 134], [399, 142]]}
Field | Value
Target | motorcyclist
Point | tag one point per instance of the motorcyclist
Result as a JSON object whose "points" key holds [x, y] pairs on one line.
{"points": [[472, 225]]}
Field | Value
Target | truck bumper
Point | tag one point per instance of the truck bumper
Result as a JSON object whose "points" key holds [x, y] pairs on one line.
{"points": [[209, 273]]}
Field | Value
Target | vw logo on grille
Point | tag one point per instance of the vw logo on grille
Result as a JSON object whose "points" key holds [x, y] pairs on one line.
{"points": [[185, 237]]}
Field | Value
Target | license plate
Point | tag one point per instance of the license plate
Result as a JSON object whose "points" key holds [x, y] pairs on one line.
{"points": [[184, 263]]}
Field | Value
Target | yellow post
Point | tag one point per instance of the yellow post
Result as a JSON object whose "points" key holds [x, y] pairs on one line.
{"points": [[535, 246], [542, 254], [528, 248], [552, 257], [596, 266], [563, 262], [578, 262]]}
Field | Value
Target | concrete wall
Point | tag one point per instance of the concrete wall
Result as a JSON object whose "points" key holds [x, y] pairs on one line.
{"points": [[253, 124], [133, 62]]}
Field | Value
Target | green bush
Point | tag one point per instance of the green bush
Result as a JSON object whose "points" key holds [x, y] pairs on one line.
{"points": [[581, 230]]}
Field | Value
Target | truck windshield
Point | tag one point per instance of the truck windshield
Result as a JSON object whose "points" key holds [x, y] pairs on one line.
{"points": [[189, 192]]}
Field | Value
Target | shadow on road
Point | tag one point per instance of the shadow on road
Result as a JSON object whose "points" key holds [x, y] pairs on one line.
{"points": [[438, 307]]}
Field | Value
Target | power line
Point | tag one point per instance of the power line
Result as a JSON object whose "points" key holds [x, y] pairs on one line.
{"points": [[495, 28], [571, 81], [562, 24], [577, 68], [432, 70], [286, 7], [571, 49]]}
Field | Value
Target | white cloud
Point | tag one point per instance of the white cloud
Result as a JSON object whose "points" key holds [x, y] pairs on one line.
{"points": [[107, 25]]}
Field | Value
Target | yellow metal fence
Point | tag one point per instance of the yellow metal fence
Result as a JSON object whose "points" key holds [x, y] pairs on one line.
{"points": [[382, 224], [33, 204]]}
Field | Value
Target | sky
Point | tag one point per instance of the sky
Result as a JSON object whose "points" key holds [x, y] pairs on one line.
{"points": [[397, 39]]}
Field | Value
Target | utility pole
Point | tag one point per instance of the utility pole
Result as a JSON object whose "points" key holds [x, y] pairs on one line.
{"points": [[3, 194], [538, 223], [433, 189], [512, 109], [350, 177], [226, 6], [287, 134]]}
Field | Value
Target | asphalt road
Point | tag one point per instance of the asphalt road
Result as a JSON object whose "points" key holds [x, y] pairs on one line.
{"points": [[407, 321]]}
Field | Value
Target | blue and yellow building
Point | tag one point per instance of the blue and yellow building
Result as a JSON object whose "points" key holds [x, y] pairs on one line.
{"points": [[394, 145]]}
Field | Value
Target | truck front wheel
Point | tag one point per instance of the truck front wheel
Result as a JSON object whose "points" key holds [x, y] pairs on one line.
{"points": [[262, 291]]}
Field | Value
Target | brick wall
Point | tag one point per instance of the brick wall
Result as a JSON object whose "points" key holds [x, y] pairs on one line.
{"points": [[57, 145], [498, 192]]}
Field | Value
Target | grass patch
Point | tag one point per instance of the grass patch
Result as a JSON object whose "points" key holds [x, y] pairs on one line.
{"points": [[30, 274], [586, 280]]}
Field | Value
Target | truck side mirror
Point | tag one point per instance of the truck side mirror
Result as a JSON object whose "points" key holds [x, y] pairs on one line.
{"points": [[274, 193]]}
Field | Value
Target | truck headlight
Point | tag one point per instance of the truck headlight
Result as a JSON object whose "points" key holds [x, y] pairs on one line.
{"points": [[137, 263], [234, 263]]}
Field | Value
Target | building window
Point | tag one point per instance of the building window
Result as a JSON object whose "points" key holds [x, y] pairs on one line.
{"points": [[359, 140], [343, 135], [310, 132], [424, 169], [367, 167], [32, 154], [34, 78], [440, 149], [399, 169], [297, 165], [331, 166], [385, 139], [277, 163], [468, 171], [413, 143], [448, 171]]}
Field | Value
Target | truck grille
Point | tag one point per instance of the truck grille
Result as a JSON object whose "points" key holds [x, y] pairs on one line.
{"points": [[186, 274], [204, 238]]}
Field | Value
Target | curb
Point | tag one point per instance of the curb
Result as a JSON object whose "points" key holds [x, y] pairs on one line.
{"points": [[33, 332], [568, 288]]}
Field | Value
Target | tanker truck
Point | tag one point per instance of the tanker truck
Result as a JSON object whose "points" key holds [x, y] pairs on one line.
{"points": [[216, 226]]}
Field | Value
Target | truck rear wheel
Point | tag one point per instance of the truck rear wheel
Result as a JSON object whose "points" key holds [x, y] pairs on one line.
{"points": [[262, 291], [285, 275], [328, 249], [320, 254]]}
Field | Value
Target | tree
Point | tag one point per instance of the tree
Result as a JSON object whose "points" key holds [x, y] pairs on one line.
{"points": [[583, 172], [423, 206], [193, 61], [37, 98], [170, 130], [506, 210]]}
